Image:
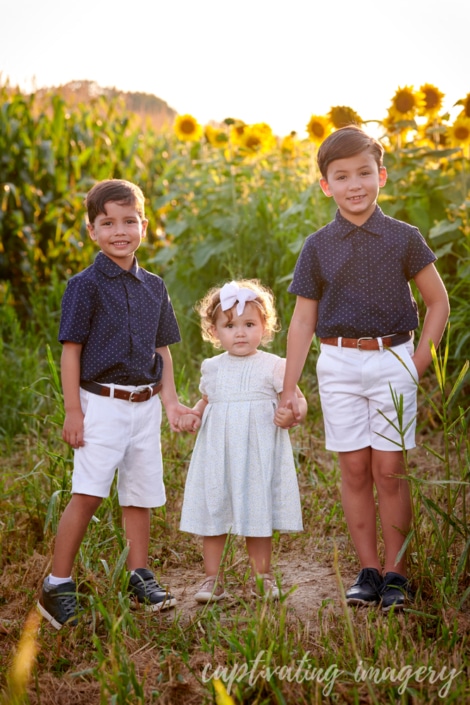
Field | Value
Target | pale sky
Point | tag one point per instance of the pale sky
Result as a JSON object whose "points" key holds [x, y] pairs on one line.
{"points": [[274, 61]]}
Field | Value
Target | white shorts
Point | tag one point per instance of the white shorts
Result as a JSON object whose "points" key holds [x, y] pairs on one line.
{"points": [[124, 436], [356, 398]]}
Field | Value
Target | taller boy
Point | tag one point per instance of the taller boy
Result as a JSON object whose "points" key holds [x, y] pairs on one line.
{"points": [[117, 322], [352, 285]]}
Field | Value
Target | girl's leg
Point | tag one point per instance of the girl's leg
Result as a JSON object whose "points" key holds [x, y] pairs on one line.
{"points": [[136, 524], [213, 547], [72, 527], [357, 494], [259, 550], [394, 499]]}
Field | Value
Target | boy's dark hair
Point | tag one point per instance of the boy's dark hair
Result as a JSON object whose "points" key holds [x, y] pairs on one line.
{"points": [[116, 190], [347, 142]]}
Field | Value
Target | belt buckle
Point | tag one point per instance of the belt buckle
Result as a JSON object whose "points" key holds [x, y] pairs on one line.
{"points": [[147, 389], [363, 338]]}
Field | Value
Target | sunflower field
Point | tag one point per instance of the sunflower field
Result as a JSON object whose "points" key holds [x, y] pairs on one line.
{"points": [[224, 201]]}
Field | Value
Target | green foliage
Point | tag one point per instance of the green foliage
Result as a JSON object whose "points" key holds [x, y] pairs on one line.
{"points": [[214, 213]]}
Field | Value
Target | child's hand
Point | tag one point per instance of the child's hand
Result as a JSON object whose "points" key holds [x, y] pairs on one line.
{"points": [[72, 431], [189, 422], [177, 411], [284, 417]]}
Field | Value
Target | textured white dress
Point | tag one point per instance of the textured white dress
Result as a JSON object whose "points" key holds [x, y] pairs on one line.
{"points": [[242, 477]]}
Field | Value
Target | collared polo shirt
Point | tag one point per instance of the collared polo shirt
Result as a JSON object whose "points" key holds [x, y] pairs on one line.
{"points": [[360, 276], [119, 317]]}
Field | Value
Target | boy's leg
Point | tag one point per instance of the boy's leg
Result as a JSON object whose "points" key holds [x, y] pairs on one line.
{"points": [[58, 601], [394, 501], [136, 525], [357, 494], [71, 530]]}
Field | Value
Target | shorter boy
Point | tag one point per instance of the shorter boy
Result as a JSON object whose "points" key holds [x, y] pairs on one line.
{"points": [[117, 322], [352, 286]]}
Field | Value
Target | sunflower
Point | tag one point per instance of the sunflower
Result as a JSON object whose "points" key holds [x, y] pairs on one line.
{"points": [[318, 128], [187, 128], [237, 128], [406, 103], [432, 100], [215, 136], [258, 137], [466, 106], [289, 145], [342, 115], [459, 132]]}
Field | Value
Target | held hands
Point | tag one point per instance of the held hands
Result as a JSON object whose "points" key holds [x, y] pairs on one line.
{"points": [[176, 412], [189, 422], [284, 416], [292, 409]]}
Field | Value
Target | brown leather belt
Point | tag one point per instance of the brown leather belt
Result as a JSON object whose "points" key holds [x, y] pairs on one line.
{"points": [[143, 393], [388, 341]]}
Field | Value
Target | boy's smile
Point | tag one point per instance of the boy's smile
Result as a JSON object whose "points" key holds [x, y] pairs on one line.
{"points": [[354, 183], [118, 232]]}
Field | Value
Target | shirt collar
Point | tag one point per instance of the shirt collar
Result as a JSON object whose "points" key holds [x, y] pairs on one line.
{"points": [[111, 269], [373, 225]]}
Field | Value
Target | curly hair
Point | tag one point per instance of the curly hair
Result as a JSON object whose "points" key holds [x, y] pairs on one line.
{"points": [[209, 308]]}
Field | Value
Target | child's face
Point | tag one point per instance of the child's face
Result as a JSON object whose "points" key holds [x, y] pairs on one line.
{"points": [[119, 232], [354, 184], [242, 334]]}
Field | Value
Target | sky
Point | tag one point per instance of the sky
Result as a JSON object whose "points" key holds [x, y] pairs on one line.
{"points": [[274, 61]]}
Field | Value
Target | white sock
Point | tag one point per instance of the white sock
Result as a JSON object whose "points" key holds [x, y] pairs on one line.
{"points": [[58, 581]]}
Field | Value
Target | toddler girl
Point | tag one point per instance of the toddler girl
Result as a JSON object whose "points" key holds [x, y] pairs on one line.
{"points": [[242, 478]]}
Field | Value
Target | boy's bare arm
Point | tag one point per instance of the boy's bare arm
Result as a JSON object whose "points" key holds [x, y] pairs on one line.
{"points": [[72, 431], [436, 300], [168, 394], [299, 339]]}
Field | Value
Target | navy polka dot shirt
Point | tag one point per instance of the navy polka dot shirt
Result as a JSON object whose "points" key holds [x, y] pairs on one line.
{"points": [[360, 276], [119, 317]]}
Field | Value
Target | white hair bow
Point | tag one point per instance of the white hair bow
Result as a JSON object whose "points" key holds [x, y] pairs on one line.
{"points": [[231, 294]]}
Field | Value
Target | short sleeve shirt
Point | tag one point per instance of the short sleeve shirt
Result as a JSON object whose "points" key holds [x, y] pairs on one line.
{"points": [[119, 317], [360, 276]]}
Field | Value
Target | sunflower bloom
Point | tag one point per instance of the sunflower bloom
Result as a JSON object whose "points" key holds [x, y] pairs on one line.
{"points": [[406, 103], [318, 128], [187, 128], [432, 100], [342, 115], [466, 106], [215, 136], [258, 138], [237, 129], [459, 132], [289, 145]]}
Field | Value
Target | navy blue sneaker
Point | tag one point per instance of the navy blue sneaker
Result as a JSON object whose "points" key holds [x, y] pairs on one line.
{"points": [[395, 592], [58, 604], [367, 588], [145, 590]]}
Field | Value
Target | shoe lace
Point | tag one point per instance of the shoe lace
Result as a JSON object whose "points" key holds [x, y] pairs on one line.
{"points": [[68, 604], [367, 576], [149, 584]]}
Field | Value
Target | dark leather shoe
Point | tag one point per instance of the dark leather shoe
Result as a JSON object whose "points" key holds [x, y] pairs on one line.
{"points": [[395, 591], [367, 588]]}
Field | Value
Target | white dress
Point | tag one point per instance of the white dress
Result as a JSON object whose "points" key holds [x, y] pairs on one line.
{"points": [[242, 477]]}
